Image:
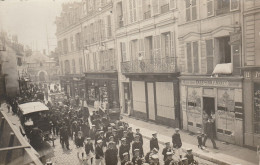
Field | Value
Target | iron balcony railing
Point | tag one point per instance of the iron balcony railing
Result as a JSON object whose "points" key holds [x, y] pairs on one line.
{"points": [[153, 65]]}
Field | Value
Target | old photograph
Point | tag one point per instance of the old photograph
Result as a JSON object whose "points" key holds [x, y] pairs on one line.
{"points": [[129, 82]]}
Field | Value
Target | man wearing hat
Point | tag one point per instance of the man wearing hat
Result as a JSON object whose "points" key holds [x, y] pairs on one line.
{"points": [[124, 148], [137, 159], [140, 135], [168, 159], [125, 159], [176, 141], [99, 153], [149, 155], [137, 145], [154, 160], [154, 142], [120, 132], [114, 134], [111, 154], [79, 141], [166, 149], [89, 149], [103, 138], [190, 157], [108, 133], [130, 135]]}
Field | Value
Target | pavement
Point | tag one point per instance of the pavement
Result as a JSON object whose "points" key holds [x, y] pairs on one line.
{"points": [[227, 154]]}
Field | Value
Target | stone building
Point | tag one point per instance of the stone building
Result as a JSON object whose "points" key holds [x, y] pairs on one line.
{"points": [[209, 51]]}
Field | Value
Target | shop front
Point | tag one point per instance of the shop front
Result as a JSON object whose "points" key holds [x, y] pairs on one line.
{"points": [[155, 98], [218, 97], [251, 96], [102, 87]]}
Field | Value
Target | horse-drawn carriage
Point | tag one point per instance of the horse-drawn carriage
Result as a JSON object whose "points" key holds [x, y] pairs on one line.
{"points": [[36, 126]]}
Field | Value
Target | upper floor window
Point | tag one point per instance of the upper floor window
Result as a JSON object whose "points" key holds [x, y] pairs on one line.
{"points": [[123, 51], [191, 10], [132, 11], [192, 51], [222, 6], [166, 44], [147, 9], [73, 66], [119, 11], [109, 28], [71, 43], [164, 6], [67, 67]]}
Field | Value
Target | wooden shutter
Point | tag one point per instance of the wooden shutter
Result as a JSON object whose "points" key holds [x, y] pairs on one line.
{"points": [[140, 10], [210, 55], [155, 7], [195, 52], [130, 5], [188, 6], [189, 57], [141, 46], [123, 51], [124, 9], [172, 4], [158, 45], [109, 30], [194, 9], [155, 47], [172, 53], [135, 10], [210, 8], [236, 59]]}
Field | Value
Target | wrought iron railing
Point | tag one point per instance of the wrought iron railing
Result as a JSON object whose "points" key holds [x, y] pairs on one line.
{"points": [[164, 8], [147, 14], [107, 66], [153, 65]]}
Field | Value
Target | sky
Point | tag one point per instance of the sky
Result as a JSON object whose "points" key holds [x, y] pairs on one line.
{"points": [[31, 21]]}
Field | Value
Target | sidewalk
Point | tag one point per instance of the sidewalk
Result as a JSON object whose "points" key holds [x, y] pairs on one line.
{"points": [[226, 154]]}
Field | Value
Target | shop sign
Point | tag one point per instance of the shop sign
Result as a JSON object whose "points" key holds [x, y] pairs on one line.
{"points": [[220, 83]]}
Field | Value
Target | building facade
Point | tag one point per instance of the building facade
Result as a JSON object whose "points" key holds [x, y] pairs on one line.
{"points": [[209, 60], [146, 35], [251, 70]]}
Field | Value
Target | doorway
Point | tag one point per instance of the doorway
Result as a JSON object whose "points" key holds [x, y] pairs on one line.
{"points": [[209, 105], [127, 98]]}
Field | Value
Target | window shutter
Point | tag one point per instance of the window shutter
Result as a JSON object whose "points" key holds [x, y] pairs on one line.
{"points": [[130, 11], [140, 10], [155, 47], [141, 46], [172, 52], [158, 44], [189, 58], [155, 7], [210, 8], [109, 31], [195, 57], [172, 4], [236, 59], [234, 5], [194, 10], [210, 56], [134, 10], [123, 55]]}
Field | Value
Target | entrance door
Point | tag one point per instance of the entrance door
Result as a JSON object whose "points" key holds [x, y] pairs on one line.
{"points": [[209, 105], [126, 98], [150, 102]]}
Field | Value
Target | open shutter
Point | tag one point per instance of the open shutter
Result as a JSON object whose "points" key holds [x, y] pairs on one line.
{"points": [[195, 49], [124, 9], [189, 58], [135, 10], [236, 59], [173, 46], [141, 46], [172, 4], [155, 47], [209, 55], [155, 7], [210, 8], [158, 45], [140, 10]]}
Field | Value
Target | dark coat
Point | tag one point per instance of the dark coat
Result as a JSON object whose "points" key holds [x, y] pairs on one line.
{"points": [[154, 144], [123, 149], [89, 147], [111, 156], [79, 142], [209, 127], [138, 145], [99, 152], [176, 140], [130, 137], [165, 150], [140, 137]]}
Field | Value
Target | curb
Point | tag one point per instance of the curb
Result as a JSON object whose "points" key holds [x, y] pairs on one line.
{"points": [[184, 150]]}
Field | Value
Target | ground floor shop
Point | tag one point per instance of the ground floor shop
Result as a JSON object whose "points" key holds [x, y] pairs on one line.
{"points": [[73, 85], [218, 97], [251, 96], [154, 97], [102, 87]]}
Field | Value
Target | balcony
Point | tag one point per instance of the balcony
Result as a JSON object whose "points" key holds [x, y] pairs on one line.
{"points": [[155, 65], [147, 14], [164, 8]]}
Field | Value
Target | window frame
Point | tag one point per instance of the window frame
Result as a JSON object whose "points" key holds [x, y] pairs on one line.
{"points": [[192, 57]]}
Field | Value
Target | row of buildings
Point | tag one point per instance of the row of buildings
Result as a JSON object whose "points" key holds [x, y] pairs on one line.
{"points": [[168, 61]]}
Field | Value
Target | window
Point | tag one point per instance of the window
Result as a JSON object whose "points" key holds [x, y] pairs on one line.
{"points": [[103, 31], [166, 44], [71, 43], [61, 67], [147, 9], [192, 57], [210, 55], [155, 5], [123, 51], [224, 50], [133, 49], [109, 28], [120, 22], [65, 46], [80, 66], [256, 108], [191, 10], [210, 7], [73, 66], [172, 4], [164, 4], [95, 61], [133, 11]]}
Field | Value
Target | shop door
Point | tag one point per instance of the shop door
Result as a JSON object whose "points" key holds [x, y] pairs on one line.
{"points": [[209, 109], [126, 98], [150, 102]]}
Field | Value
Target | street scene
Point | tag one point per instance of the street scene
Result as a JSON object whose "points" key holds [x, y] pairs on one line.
{"points": [[129, 82]]}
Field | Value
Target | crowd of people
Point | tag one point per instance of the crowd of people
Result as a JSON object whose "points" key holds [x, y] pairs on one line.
{"points": [[101, 140]]}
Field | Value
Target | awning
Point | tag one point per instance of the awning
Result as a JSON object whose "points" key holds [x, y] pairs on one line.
{"points": [[226, 68], [32, 107]]}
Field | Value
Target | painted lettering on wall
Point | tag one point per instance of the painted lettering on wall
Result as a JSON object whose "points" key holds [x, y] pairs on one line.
{"points": [[221, 83]]}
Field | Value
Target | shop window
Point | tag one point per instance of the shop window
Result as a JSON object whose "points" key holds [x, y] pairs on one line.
{"points": [[192, 57], [191, 10]]}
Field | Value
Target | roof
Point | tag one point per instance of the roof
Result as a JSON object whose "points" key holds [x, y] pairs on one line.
{"points": [[32, 107]]}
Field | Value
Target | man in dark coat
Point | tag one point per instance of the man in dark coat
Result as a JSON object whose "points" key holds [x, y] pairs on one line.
{"points": [[176, 141], [137, 145], [166, 149], [111, 154], [108, 133], [99, 153], [140, 135], [130, 135], [154, 142], [64, 136], [210, 133], [124, 148]]}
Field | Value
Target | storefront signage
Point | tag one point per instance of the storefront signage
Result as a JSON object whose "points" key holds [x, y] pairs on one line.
{"points": [[221, 83]]}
